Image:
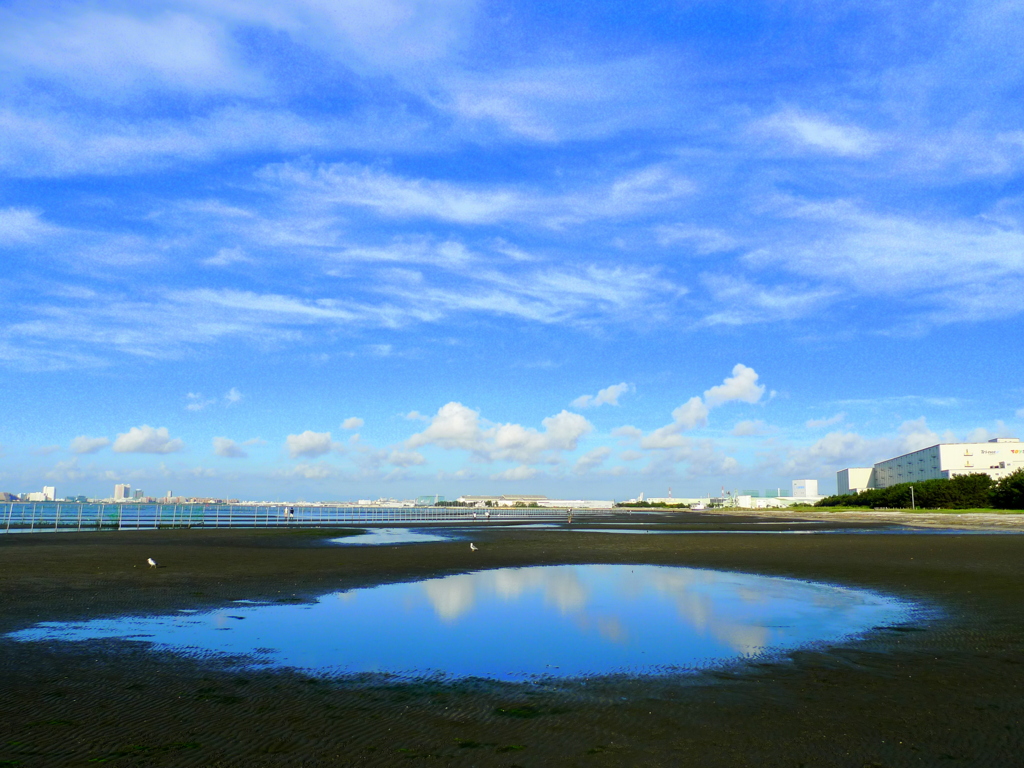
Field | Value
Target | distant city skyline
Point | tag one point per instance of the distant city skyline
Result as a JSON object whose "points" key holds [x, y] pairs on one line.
{"points": [[342, 250]]}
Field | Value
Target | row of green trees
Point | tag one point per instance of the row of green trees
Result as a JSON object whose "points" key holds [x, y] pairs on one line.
{"points": [[976, 491]]}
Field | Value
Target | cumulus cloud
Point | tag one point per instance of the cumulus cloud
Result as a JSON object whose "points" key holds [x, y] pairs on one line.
{"points": [[741, 386], [223, 446], [690, 415], [310, 444], [352, 422], [233, 396], [83, 444], [455, 426], [607, 396], [147, 439]]}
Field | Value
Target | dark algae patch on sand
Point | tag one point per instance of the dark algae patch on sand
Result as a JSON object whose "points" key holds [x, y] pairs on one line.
{"points": [[947, 689]]}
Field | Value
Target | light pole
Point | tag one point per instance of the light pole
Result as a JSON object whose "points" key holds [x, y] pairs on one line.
{"points": [[912, 498]]}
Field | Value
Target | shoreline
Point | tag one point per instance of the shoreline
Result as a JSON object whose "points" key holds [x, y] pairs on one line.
{"points": [[946, 686]]}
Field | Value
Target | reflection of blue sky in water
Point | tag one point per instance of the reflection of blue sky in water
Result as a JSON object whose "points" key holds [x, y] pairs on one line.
{"points": [[513, 623], [385, 536]]}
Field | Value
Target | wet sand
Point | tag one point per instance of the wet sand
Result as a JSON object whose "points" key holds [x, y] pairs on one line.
{"points": [[945, 690]]}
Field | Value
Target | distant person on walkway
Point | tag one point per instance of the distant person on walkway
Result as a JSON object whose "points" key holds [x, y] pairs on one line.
{"points": [[570, 515]]}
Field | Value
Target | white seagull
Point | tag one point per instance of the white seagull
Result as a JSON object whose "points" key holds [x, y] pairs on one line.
{"points": [[151, 561], [473, 546]]}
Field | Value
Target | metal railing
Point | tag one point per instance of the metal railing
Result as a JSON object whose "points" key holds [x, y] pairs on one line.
{"points": [[26, 517]]}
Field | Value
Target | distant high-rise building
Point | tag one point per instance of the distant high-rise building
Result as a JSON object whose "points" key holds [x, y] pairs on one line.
{"points": [[49, 493], [122, 491], [169, 495], [138, 493]]}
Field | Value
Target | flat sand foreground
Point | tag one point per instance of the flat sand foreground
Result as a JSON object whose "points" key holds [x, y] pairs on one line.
{"points": [[945, 690]]}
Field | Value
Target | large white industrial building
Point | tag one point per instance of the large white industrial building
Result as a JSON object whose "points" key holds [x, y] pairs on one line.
{"points": [[996, 458]]}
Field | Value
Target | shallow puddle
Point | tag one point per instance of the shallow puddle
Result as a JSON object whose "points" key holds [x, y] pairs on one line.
{"points": [[520, 623], [385, 536]]}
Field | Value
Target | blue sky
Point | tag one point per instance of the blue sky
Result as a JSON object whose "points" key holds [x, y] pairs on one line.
{"points": [[332, 250]]}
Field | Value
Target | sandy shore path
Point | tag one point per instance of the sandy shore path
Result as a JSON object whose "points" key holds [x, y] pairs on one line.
{"points": [[946, 690], [1005, 521]]}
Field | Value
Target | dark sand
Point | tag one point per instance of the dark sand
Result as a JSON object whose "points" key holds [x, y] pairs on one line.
{"points": [[942, 691]]}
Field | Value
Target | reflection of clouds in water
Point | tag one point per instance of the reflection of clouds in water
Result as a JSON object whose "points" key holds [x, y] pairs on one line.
{"points": [[451, 596], [564, 589], [609, 627], [697, 595]]}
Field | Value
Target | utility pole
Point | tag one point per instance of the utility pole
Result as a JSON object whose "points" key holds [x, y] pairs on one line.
{"points": [[912, 507]]}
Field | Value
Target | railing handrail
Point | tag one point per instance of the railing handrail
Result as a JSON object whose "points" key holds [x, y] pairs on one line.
{"points": [[56, 516]]}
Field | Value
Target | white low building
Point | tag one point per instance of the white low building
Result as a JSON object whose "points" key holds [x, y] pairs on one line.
{"points": [[997, 458]]}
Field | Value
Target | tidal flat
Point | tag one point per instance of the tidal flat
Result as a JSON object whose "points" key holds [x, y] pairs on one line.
{"points": [[945, 687]]}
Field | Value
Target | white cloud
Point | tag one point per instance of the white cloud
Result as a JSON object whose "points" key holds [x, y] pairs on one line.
{"points": [[310, 444], [326, 187], [457, 427], [591, 460], [556, 102], [83, 444], [627, 432], [702, 240], [196, 401], [818, 423], [983, 435], [1019, 413], [416, 416], [223, 446], [607, 396], [352, 422], [20, 225], [225, 257], [516, 473], [738, 301], [64, 471], [147, 439], [955, 269], [819, 134], [233, 396], [406, 458], [742, 385], [453, 426], [113, 53], [319, 471]]}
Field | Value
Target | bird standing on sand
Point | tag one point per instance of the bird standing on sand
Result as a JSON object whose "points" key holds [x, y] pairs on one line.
{"points": [[151, 561], [473, 546]]}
